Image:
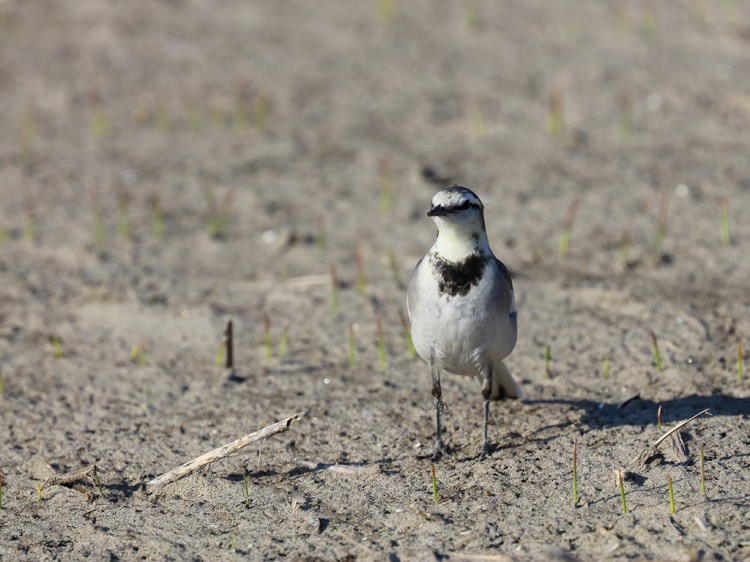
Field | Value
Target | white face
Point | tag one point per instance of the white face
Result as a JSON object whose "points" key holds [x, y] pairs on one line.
{"points": [[457, 205]]}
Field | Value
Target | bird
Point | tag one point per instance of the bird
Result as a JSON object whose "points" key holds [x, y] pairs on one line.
{"points": [[461, 306]]}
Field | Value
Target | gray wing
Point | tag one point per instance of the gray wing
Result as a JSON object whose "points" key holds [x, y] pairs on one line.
{"points": [[411, 290]]}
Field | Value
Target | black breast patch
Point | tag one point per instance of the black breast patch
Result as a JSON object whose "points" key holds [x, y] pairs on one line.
{"points": [[457, 278]]}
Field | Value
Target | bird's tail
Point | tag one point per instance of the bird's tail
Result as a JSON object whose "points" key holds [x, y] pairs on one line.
{"points": [[503, 385]]}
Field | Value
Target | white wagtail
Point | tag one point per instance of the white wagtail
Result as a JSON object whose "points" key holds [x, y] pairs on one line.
{"points": [[461, 305]]}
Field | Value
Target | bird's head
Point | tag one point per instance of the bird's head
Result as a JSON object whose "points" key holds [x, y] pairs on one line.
{"points": [[459, 216]]}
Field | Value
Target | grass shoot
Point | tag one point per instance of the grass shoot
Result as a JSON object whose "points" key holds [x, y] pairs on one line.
{"points": [[661, 225], [656, 352], [39, 491], [407, 334], [56, 347], [547, 360], [283, 342], [352, 355], [334, 289], [385, 10], [138, 355], [564, 244], [163, 118], [702, 460], [381, 343], [228, 341], [100, 235], [320, 234], [575, 473], [622, 492], [218, 214], [28, 215], [361, 279], [625, 242], [239, 113], [98, 481], [386, 185], [605, 369], [625, 103], [671, 494], [27, 133], [434, 485], [726, 239], [245, 486], [157, 218], [267, 336], [556, 121], [99, 126], [123, 215], [740, 363], [658, 419], [261, 107]]}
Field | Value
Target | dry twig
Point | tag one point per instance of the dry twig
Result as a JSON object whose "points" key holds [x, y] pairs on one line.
{"points": [[220, 453], [644, 455]]}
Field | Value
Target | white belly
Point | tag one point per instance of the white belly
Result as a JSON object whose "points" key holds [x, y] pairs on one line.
{"points": [[464, 336]]}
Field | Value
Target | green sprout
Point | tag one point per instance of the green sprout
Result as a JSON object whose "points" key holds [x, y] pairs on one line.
{"points": [[28, 216], [547, 360], [56, 347], [283, 342], [267, 336], [556, 122], [352, 347], [244, 484], [625, 245], [39, 491], [658, 419], [622, 492], [661, 225], [99, 126], [261, 109], [726, 239], [218, 215], [703, 470], [657, 353], [123, 216], [434, 485], [671, 494], [386, 185], [564, 244], [385, 10], [575, 473], [334, 289], [381, 343], [320, 235], [157, 218], [626, 117], [605, 369], [740, 363], [361, 279]]}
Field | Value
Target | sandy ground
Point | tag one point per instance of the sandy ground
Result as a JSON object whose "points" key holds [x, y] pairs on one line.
{"points": [[321, 130]]}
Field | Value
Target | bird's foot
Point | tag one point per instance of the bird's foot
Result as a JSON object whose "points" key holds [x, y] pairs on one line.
{"points": [[485, 451], [439, 450]]}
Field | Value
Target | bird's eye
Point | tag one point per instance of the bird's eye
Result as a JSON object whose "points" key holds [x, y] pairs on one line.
{"points": [[465, 205]]}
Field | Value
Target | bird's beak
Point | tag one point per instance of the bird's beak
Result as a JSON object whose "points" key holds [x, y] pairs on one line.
{"points": [[437, 212]]}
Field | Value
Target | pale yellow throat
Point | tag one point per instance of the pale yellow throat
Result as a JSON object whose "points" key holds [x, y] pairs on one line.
{"points": [[456, 245]]}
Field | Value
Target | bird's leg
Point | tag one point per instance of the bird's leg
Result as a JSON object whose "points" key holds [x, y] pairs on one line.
{"points": [[437, 396], [486, 393]]}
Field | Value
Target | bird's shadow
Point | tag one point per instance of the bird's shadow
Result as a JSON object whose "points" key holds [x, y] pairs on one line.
{"points": [[639, 411]]}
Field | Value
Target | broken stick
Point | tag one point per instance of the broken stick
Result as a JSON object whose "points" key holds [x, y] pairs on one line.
{"points": [[220, 453]]}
